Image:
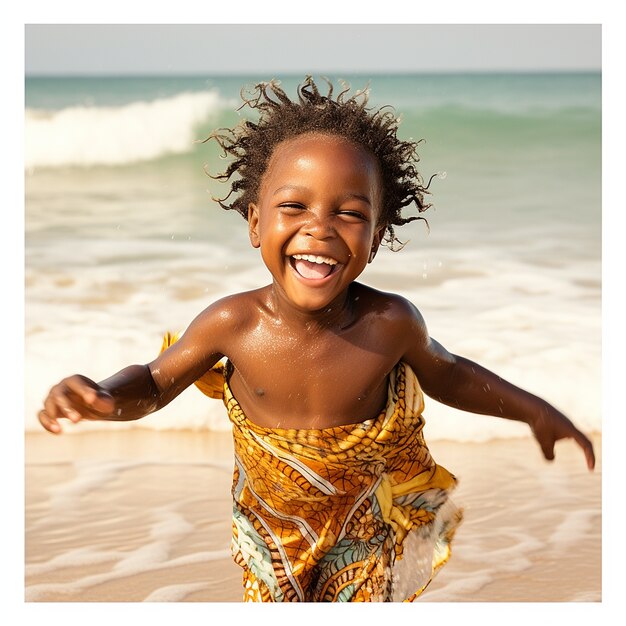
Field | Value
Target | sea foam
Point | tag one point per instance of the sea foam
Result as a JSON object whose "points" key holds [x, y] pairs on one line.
{"points": [[139, 131]]}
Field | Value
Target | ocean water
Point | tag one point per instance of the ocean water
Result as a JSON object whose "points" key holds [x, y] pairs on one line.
{"points": [[123, 241]]}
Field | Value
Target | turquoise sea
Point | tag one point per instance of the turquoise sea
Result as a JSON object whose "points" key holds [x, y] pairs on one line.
{"points": [[123, 241]]}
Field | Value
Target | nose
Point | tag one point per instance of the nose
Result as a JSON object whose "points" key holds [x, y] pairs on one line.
{"points": [[319, 226]]}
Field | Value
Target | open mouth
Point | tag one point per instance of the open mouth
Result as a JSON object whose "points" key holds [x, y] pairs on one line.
{"points": [[313, 267]]}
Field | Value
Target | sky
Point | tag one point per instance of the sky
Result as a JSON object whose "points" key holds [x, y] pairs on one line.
{"points": [[212, 49]]}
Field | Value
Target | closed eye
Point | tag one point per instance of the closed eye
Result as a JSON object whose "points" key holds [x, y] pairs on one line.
{"points": [[354, 215], [291, 207]]}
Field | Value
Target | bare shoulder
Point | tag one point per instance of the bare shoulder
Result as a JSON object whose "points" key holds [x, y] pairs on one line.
{"points": [[407, 337], [390, 308], [392, 324], [228, 315], [213, 334]]}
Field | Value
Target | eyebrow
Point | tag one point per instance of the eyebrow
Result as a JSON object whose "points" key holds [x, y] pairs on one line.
{"points": [[357, 196]]}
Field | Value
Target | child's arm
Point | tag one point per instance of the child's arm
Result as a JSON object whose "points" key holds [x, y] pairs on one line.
{"points": [[127, 395], [138, 390], [463, 384]]}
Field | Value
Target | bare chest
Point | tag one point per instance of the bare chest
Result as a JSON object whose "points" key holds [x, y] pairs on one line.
{"points": [[291, 383]]}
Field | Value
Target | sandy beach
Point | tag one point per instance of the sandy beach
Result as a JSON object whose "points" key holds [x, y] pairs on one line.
{"points": [[141, 515]]}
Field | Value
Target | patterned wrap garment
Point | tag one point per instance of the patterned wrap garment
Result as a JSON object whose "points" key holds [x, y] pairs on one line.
{"points": [[355, 513]]}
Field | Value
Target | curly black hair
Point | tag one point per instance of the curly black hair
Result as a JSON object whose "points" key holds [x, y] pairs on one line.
{"points": [[252, 144]]}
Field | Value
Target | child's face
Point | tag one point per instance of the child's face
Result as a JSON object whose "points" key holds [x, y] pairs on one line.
{"points": [[316, 219]]}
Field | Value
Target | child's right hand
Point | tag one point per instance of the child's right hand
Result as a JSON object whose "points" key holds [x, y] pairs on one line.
{"points": [[75, 398]]}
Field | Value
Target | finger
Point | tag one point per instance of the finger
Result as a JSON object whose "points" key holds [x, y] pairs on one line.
{"points": [[547, 447], [587, 447], [58, 405], [96, 399], [81, 387], [49, 423], [50, 404]]}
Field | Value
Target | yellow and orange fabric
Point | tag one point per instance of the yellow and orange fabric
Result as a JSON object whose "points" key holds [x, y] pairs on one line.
{"points": [[354, 513]]}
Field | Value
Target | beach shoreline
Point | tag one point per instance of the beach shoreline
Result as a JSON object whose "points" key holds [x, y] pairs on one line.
{"points": [[143, 515]]}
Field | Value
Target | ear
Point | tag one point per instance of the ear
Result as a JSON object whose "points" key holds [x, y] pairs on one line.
{"points": [[253, 225], [378, 237]]}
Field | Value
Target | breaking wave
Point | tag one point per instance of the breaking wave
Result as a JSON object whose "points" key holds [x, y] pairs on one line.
{"points": [[84, 136]]}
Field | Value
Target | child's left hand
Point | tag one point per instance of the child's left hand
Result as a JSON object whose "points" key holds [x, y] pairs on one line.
{"points": [[549, 425]]}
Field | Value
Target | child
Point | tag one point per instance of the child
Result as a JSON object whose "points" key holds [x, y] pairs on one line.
{"points": [[336, 497]]}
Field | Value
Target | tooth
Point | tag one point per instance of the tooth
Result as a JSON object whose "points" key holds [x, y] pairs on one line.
{"points": [[315, 259]]}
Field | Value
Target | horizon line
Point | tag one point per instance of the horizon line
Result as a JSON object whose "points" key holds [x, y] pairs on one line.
{"points": [[293, 73]]}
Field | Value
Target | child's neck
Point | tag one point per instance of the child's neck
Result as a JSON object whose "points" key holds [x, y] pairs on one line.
{"points": [[336, 316]]}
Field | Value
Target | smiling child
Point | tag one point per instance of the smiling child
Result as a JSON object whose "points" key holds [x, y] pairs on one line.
{"points": [[335, 494]]}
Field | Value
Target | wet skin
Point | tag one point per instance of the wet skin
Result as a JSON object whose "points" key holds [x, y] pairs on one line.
{"points": [[313, 349]]}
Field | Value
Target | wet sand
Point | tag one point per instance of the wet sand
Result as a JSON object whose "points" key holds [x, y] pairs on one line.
{"points": [[140, 515]]}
